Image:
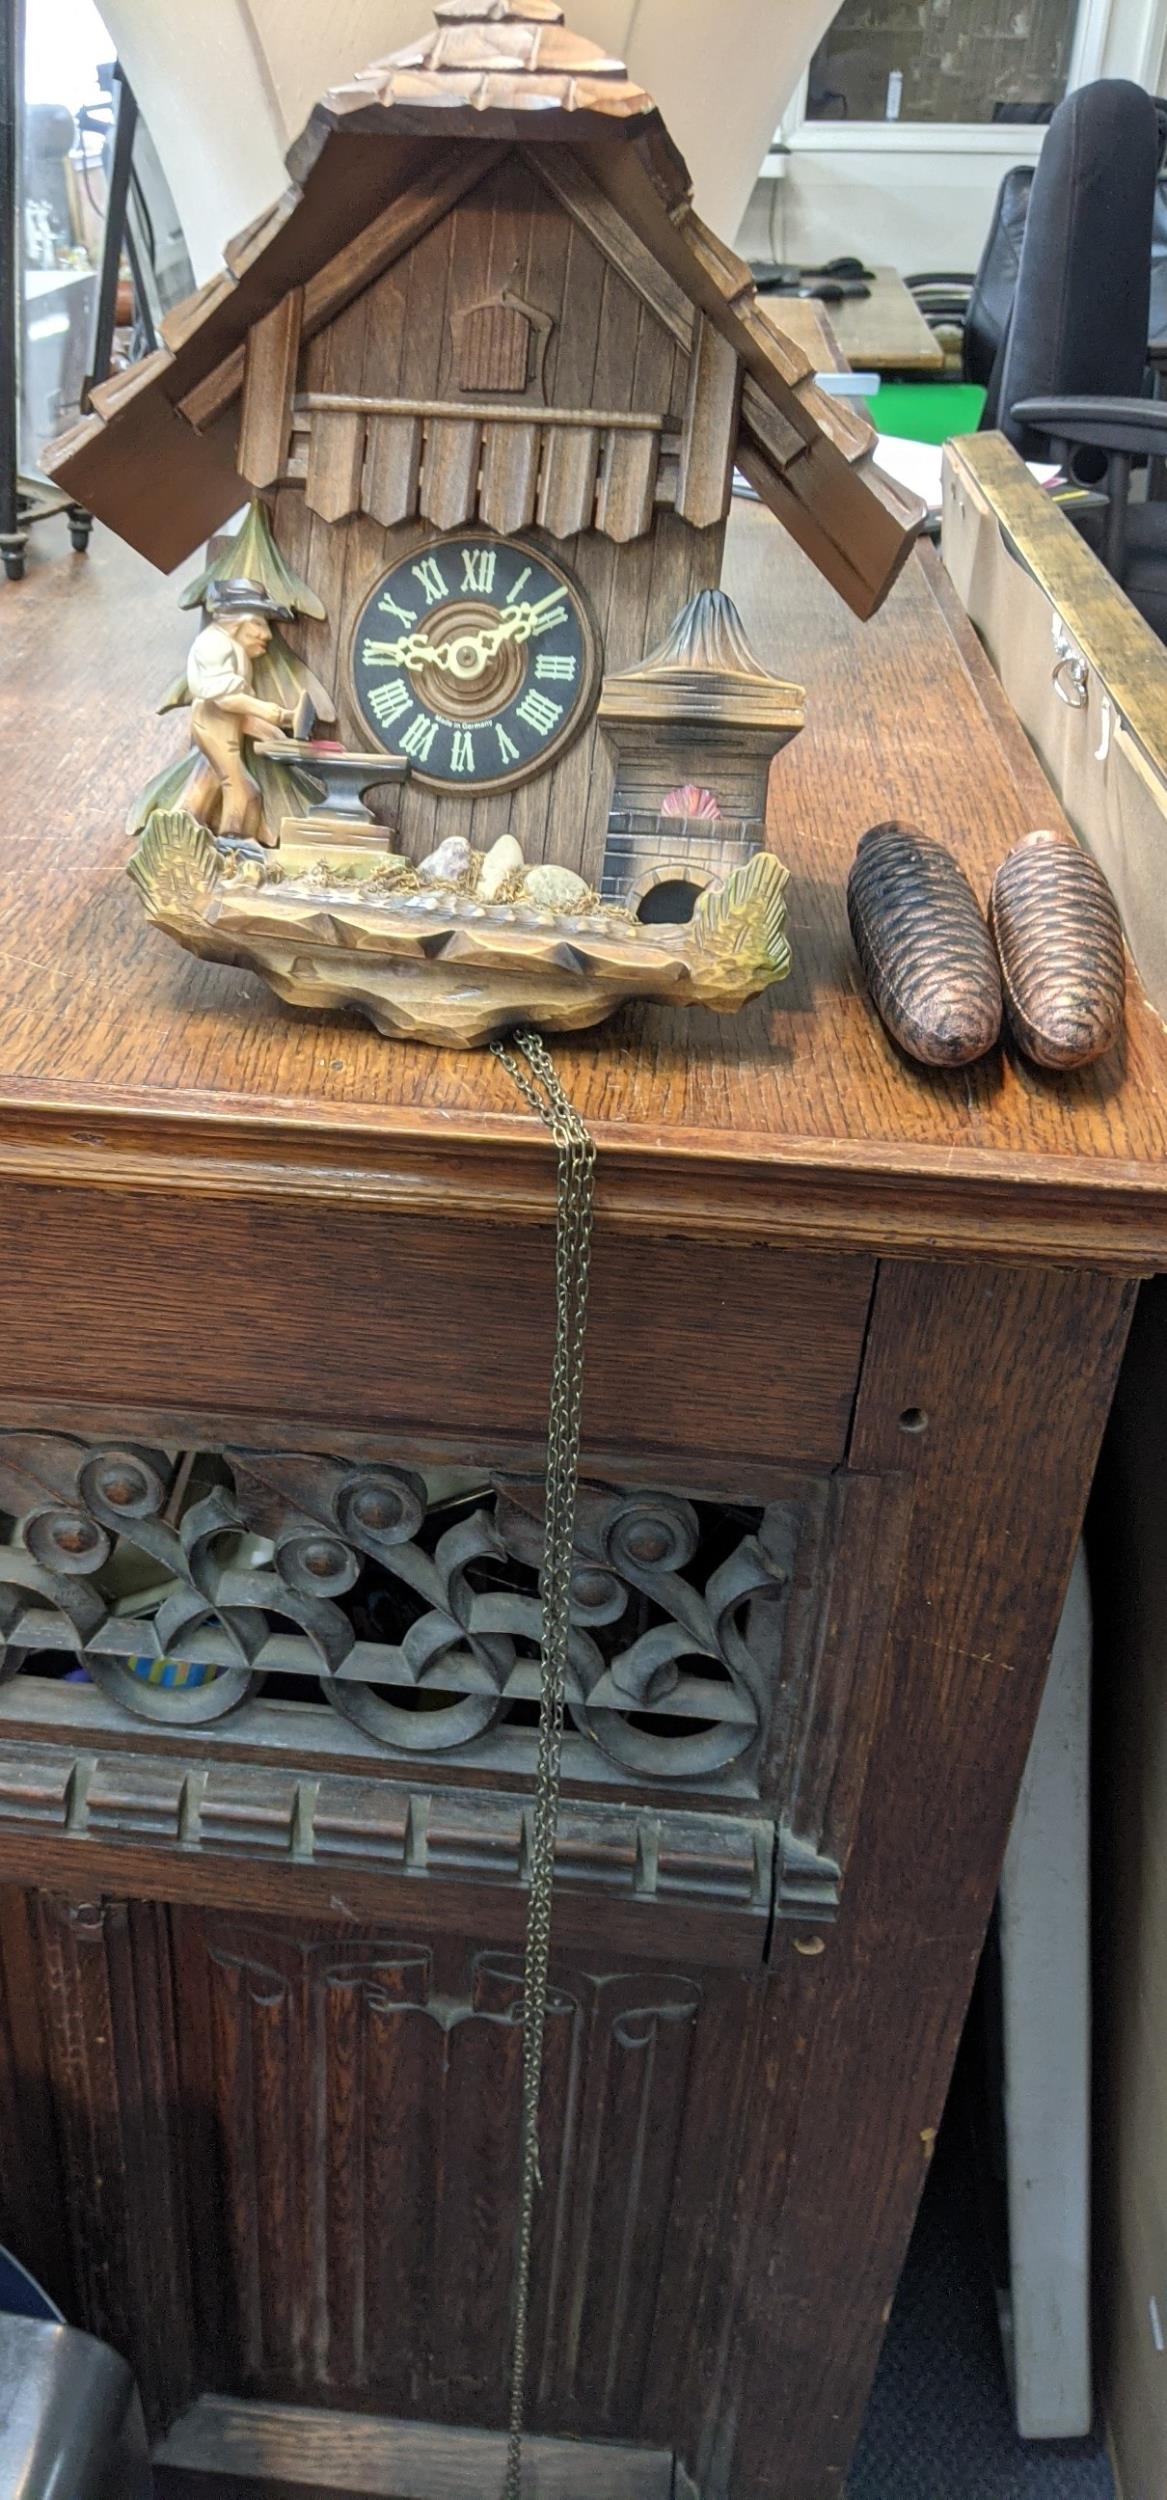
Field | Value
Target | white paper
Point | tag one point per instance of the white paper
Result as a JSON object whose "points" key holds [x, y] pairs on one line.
{"points": [[918, 467]]}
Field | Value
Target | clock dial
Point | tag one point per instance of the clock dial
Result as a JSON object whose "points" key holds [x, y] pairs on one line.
{"points": [[475, 657]]}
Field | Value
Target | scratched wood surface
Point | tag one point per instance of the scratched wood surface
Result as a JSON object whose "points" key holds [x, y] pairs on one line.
{"points": [[120, 1056]]}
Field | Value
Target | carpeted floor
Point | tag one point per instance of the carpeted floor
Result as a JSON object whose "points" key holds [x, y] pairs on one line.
{"points": [[939, 2425]]}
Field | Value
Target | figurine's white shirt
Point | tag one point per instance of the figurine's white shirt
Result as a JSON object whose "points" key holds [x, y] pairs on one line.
{"points": [[216, 666]]}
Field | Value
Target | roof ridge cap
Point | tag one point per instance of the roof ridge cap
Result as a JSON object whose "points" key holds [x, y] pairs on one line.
{"points": [[447, 53], [497, 12]]}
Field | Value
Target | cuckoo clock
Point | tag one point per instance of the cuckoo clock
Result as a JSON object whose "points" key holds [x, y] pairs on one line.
{"points": [[486, 377]]}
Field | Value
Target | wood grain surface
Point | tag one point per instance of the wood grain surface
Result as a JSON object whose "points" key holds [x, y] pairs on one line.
{"points": [[974, 1385], [122, 1059], [886, 330], [360, 1330], [211, 1203], [809, 325], [380, 2460]]}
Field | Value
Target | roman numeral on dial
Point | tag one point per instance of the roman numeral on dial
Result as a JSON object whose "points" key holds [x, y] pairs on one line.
{"points": [[461, 751], [549, 664], [539, 712], [430, 578], [389, 701], [478, 565], [508, 753], [404, 616], [419, 737]]}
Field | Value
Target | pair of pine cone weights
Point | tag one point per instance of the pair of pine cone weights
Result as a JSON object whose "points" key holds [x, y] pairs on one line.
{"points": [[1049, 957]]}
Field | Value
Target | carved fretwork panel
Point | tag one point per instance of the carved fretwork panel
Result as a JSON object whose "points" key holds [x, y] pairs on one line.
{"points": [[720, 1649], [357, 2169], [419, 1617]]}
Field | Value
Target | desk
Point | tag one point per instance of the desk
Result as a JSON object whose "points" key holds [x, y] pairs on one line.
{"points": [[886, 332], [853, 1338], [806, 321]]}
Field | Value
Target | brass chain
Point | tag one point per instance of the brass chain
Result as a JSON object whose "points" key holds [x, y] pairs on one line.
{"points": [[576, 1155]]}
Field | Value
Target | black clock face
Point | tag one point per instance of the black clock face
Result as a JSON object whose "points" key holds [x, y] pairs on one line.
{"points": [[476, 658]]}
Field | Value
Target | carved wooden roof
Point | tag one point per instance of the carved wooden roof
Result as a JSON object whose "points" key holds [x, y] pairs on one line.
{"points": [[384, 158], [705, 669], [484, 53]]}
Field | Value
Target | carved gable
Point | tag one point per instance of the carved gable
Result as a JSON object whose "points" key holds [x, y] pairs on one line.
{"points": [[393, 408]]}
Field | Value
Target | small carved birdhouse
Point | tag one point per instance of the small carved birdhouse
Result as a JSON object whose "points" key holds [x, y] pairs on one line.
{"points": [[695, 728]]}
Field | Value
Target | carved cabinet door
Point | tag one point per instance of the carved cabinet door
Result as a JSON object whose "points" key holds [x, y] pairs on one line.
{"points": [[350, 2157]]}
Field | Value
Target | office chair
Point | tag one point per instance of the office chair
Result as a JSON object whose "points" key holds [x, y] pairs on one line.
{"points": [[1158, 328], [979, 303], [1071, 373]]}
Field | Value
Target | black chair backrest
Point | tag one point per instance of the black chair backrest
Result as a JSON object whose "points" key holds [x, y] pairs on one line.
{"points": [[1080, 311], [1157, 328], [994, 285]]}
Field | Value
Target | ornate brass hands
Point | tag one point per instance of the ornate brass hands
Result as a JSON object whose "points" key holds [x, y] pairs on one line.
{"points": [[465, 656]]}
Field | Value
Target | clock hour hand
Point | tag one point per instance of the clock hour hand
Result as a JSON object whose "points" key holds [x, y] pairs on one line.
{"points": [[465, 656], [409, 651]]}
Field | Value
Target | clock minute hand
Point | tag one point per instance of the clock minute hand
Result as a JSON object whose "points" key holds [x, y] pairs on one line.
{"points": [[466, 655], [518, 623]]}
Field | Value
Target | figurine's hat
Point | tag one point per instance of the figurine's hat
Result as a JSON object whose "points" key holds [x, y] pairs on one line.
{"points": [[239, 598]]}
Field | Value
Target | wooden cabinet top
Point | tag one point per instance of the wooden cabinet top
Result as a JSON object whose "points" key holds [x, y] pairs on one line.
{"points": [[125, 1062]]}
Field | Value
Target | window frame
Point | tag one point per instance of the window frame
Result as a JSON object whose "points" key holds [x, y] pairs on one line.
{"points": [[1093, 30]]}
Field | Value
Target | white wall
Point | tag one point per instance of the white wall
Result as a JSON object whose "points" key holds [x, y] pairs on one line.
{"points": [[226, 84], [200, 77], [911, 211], [922, 199]]}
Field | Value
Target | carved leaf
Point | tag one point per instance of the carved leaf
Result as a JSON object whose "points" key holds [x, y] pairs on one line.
{"points": [[739, 929], [176, 869]]}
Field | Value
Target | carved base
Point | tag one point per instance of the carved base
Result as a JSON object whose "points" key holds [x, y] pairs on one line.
{"points": [[440, 967]]}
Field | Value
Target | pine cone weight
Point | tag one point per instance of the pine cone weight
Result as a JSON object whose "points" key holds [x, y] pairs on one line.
{"points": [[925, 950], [1059, 937]]}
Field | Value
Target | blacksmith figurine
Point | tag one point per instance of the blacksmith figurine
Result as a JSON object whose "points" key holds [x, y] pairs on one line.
{"points": [[226, 710]]}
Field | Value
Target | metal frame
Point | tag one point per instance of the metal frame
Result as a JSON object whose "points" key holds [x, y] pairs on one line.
{"points": [[24, 501], [115, 236]]}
